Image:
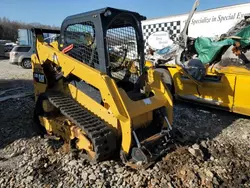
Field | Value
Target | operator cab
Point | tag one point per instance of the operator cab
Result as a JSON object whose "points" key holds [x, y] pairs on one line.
{"points": [[109, 40]]}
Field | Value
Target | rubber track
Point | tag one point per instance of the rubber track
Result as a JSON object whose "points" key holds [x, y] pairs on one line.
{"points": [[101, 136]]}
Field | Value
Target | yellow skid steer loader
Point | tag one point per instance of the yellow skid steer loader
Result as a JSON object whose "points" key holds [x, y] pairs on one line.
{"points": [[92, 90]]}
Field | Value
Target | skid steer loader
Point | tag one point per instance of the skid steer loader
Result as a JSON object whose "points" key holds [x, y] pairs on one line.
{"points": [[92, 90]]}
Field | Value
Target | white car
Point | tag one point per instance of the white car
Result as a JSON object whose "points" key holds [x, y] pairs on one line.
{"points": [[21, 55]]}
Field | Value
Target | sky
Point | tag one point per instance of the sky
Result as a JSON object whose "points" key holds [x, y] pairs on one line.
{"points": [[52, 12]]}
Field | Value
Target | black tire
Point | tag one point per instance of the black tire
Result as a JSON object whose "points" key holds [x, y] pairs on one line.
{"points": [[166, 78], [26, 63]]}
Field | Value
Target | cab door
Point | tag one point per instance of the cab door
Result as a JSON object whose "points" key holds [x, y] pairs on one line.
{"points": [[184, 86], [218, 89]]}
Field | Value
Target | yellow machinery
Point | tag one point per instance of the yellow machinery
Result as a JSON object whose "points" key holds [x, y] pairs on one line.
{"points": [[225, 84], [92, 90]]}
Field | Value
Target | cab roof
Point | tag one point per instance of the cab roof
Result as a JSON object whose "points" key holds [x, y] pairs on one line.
{"points": [[102, 11]]}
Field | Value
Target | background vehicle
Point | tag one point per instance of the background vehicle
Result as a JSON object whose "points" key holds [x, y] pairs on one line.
{"points": [[7, 48], [99, 101], [213, 73], [21, 55], [1, 50]]}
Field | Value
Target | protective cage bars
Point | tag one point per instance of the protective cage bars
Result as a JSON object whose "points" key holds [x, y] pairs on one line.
{"points": [[122, 48], [82, 36]]}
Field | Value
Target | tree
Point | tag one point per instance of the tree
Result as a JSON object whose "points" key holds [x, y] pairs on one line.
{"points": [[9, 29]]}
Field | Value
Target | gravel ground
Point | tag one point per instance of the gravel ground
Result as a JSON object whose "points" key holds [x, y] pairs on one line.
{"points": [[216, 152]]}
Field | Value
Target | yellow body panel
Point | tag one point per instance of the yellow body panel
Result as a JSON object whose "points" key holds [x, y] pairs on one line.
{"points": [[241, 98], [221, 93], [56, 126], [93, 106], [230, 92], [38, 87], [68, 132]]}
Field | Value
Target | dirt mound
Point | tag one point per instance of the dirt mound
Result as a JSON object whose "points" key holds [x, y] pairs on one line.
{"points": [[210, 164]]}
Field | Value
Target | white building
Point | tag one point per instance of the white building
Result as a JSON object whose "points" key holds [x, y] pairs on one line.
{"points": [[208, 23]]}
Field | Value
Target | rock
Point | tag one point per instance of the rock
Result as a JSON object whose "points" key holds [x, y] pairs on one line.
{"points": [[192, 151], [101, 175], [124, 183], [168, 178], [126, 175], [139, 163], [30, 169], [1, 181], [71, 179], [138, 184], [154, 182], [89, 171], [92, 177], [209, 174], [119, 170], [50, 151], [193, 133], [72, 163], [215, 181], [45, 165], [195, 146], [244, 136], [99, 183], [117, 166], [120, 181], [111, 170], [170, 185], [196, 167], [29, 179], [247, 163], [21, 165], [84, 176], [60, 184], [196, 152], [107, 163], [135, 177], [206, 134], [156, 168], [212, 158], [144, 173], [132, 183]]}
